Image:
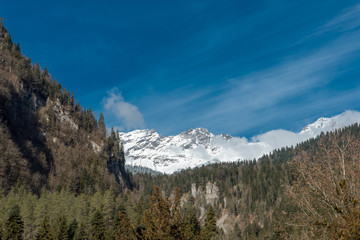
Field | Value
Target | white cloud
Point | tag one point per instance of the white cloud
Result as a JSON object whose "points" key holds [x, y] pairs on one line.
{"points": [[348, 19], [281, 138], [125, 112], [219, 149]]}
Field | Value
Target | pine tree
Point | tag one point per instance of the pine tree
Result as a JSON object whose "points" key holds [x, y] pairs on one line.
{"points": [[209, 229], [108, 209], [122, 158], [191, 224], [81, 233], [14, 227], [177, 226], [1, 232], [61, 225], [44, 230], [122, 227], [102, 127], [71, 231], [157, 218], [27, 212], [97, 226]]}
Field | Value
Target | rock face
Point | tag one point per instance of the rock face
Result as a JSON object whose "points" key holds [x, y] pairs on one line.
{"points": [[211, 193], [197, 147], [62, 114]]}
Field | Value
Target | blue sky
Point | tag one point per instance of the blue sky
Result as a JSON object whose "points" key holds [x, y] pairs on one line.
{"points": [[236, 67]]}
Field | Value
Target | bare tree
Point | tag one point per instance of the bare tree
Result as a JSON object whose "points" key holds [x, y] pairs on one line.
{"points": [[327, 189]]}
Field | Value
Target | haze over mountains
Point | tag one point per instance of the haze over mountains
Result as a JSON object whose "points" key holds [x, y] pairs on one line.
{"points": [[195, 147]]}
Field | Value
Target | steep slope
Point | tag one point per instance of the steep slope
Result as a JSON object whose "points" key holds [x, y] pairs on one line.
{"points": [[196, 147], [46, 139]]}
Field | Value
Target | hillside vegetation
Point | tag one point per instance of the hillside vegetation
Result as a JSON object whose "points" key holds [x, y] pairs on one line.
{"points": [[47, 139], [63, 177]]}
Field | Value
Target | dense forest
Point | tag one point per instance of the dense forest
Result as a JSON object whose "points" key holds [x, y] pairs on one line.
{"points": [[62, 176]]}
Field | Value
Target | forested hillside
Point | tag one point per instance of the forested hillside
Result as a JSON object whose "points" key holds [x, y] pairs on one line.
{"points": [[310, 191], [47, 139], [63, 177]]}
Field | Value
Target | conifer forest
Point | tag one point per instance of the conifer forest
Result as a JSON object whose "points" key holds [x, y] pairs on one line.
{"points": [[63, 176]]}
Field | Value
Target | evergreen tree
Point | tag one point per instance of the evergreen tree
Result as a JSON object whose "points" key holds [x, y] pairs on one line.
{"points": [[61, 225], [97, 226], [102, 127], [191, 224], [209, 229], [46, 72], [108, 208], [177, 226], [113, 146], [71, 231], [27, 213], [1, 232], [122, 158], [157, 218], [44, 232], [122, 227], [81, 233], [14, 227]]}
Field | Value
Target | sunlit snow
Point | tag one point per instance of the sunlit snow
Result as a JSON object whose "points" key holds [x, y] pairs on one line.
{"points": [[196, 147]]}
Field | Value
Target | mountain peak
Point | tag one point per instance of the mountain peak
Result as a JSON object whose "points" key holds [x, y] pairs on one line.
{"points": [[330, 124], [198, 146]]}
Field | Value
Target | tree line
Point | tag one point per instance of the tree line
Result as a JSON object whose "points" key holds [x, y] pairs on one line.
{"points": [[103, 215]]}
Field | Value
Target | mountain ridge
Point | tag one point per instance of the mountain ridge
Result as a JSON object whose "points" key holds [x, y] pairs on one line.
{"points": [[196, 147]]}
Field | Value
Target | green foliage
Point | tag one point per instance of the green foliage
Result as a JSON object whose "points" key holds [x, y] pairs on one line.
{"points": [[177, 224], [82, 232], [191, 224], [210, 230], [14, 227], [47, 140], [61, 230], [122, 227], [157, 218], [97, 228], [52, 168], [101, 124], [71, 231], [44, 232]]}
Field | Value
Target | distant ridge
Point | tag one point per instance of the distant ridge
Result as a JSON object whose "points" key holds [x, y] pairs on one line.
{"points": [[196, 147]]}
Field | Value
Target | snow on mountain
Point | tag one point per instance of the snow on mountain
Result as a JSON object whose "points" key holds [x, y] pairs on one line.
{"points": [[196, 147]]}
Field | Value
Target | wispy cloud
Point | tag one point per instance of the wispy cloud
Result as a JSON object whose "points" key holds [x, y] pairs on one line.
{"points": [[252, 95], [260, 97], [348, 19], [298, 82], [125, 112], [281, 138], [294, 76]]}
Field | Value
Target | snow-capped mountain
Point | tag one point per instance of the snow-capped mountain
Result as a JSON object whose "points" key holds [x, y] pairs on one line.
{"points": [[196, 147]]}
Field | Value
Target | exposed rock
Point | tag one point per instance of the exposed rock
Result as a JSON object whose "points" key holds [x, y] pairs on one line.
{"points": [[96, 147], [193, 190], [211, 193], [63, 115]]}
